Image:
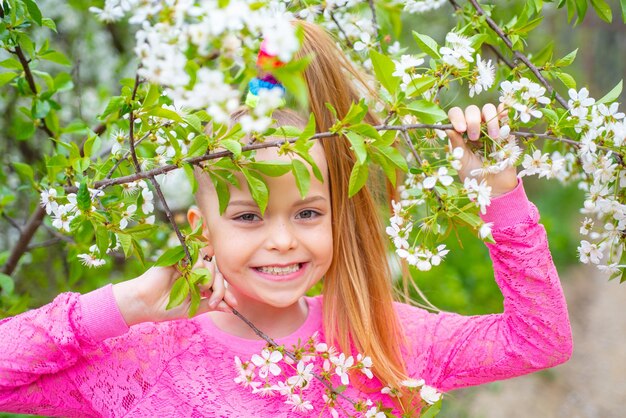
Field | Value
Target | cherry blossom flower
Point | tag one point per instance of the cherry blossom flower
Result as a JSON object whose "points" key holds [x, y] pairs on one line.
{"points": [[91, 260], [49, 200], [441, 175], [342, 364], [267, 362], [484, 77], [589, 252], [429, 394], [458, 52]]}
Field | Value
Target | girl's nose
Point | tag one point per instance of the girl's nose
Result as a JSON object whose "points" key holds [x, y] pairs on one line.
{"points": [[282, 237]]}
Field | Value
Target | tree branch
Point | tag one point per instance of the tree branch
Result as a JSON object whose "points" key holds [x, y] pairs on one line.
{"points": [[494, 26], [22, 243], [31, 83], [278, 143]]}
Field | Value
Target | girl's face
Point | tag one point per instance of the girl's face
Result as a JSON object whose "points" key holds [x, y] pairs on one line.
{"points": [[275, 257]]}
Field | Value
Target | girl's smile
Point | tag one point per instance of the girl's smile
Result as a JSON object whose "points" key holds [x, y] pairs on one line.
{"points": [[281, 273]]}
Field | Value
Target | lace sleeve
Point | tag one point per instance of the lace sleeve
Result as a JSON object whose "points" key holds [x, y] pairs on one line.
{"points": [[533, 333], [60, 360]]}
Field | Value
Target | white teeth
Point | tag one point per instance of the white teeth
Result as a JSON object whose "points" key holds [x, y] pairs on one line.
{"points": [[280, 270]]}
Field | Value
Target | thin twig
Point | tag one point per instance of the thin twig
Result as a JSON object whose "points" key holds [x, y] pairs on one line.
{"points": [[47, 243], [31, 83], [22, 243], [345, 35], [375, 24]]}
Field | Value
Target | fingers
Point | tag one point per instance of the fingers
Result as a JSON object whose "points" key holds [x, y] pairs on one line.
{"points": [[473, 119], [215, 295], [457, 119], [490, 115]]}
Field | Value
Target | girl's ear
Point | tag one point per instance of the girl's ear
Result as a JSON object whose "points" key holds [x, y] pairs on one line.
{"points": [[194, 217]]}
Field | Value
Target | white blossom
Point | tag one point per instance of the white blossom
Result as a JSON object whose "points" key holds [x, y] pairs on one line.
{"points": [[484, 77], [429, 394], [267, 362], [458, 52]]}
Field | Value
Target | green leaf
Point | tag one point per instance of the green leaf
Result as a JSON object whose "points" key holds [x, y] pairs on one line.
{"points": [[366, 130], [426, 111], [165, 113], [471, 219], [49, 23], [567, 60], [83, 199], [358, 178], [613, 94], [195, 122], [126, 242], [6, 284], [221, 188], [152, 96], [188, 168], [358, 146], [25, 172], [356, 113], [291, 76], [427, 44], [388, 168], [6, 77], [420, 85], [394, 156], [179, 293], [309, 130], [432, 411], [41, 108], [302, 176], [57, 57], [384, 68], [92, 145], [102, 240], [232, 146], [198, 146], [33, 11], [271, 168], [603, 10], [623, 6], [194, 303], [170, 257], [258, 189], [567, 79]]}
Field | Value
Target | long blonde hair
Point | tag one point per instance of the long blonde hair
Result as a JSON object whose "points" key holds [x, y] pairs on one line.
{"points": [[358, 295]]}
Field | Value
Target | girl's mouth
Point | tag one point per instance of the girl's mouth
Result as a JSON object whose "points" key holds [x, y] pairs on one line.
{"points": [[285, 272]]}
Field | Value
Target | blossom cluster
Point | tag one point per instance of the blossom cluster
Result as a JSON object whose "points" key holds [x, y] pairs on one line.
{"points": [[64, 213], [210, 30], [291, 374], [604, 180]]}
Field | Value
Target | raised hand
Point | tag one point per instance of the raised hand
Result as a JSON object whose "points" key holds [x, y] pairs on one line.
{"points": [[144, 298], [467, 130]]}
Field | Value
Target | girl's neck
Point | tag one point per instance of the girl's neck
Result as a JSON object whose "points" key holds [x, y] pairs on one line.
{"points": [[274, 322]]}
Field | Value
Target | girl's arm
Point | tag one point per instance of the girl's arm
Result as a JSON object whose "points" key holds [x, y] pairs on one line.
{"points": [[533, 333], [78, 357]]}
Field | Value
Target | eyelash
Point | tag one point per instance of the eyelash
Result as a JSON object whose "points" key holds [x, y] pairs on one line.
{"points": [[314, 214]]}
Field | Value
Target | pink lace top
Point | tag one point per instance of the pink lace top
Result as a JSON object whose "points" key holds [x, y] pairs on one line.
{"points": [[77, 357]]}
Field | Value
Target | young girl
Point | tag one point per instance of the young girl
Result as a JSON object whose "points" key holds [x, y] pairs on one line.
{"points": [[118, 352]]}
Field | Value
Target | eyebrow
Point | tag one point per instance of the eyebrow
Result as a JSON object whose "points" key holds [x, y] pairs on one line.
{"points": [[252, 203]]}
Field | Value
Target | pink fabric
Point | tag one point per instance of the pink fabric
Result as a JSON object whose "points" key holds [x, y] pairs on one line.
{"points": [[76, 356]]}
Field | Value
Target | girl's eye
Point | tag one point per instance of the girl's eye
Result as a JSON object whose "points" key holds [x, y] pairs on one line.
{"points": [[247, 217], [307, 214]]}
